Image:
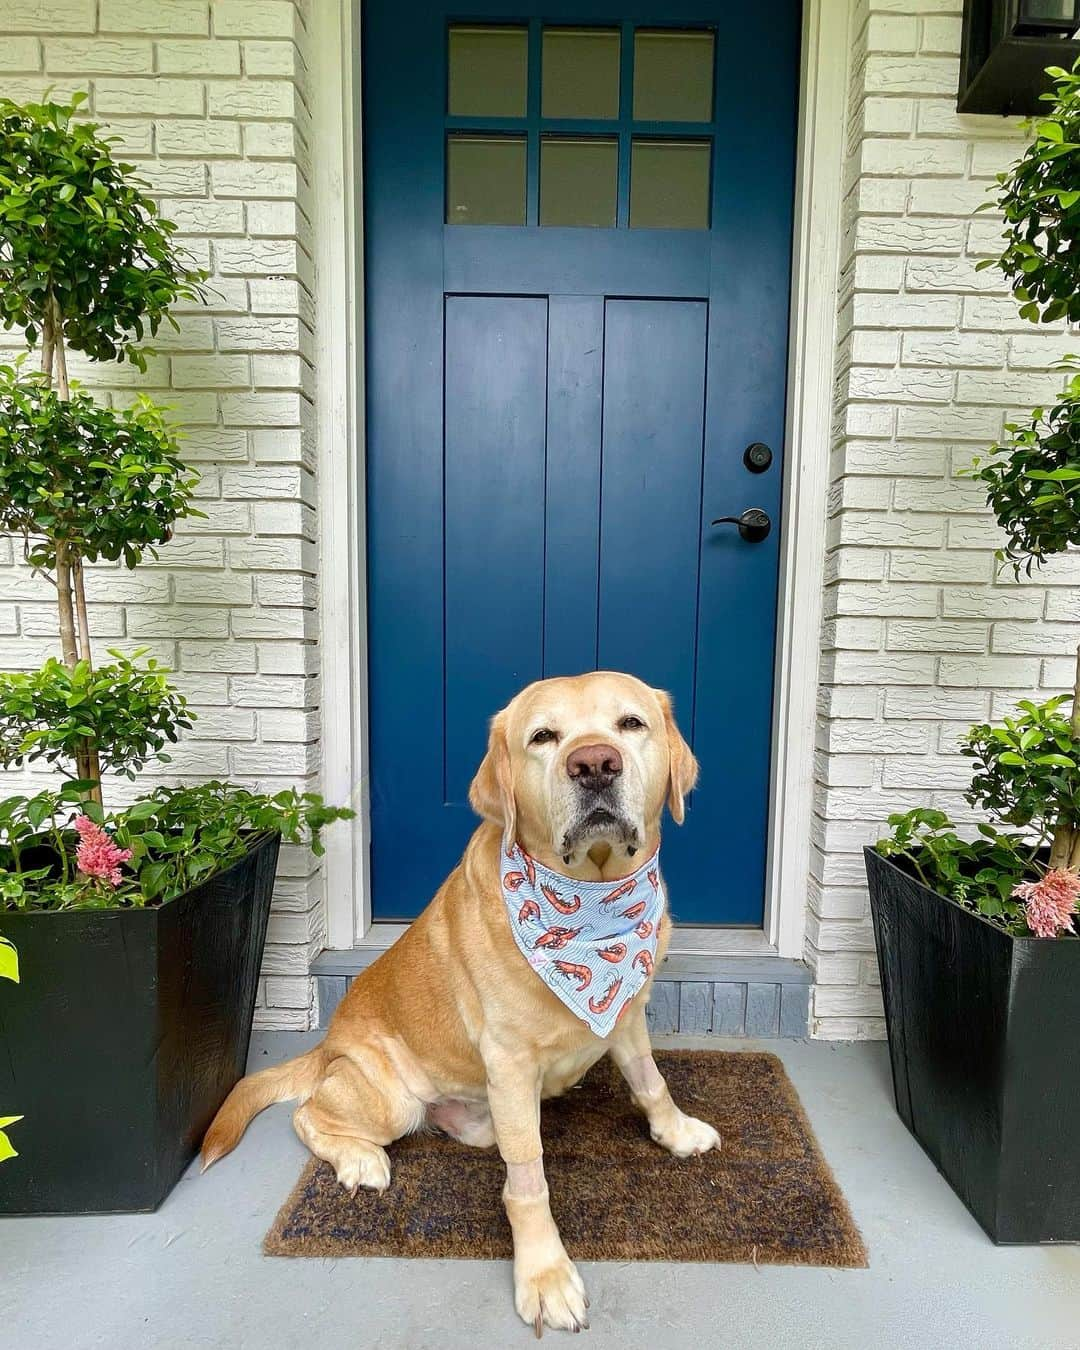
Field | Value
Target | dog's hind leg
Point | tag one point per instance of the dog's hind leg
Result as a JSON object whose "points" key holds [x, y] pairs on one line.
{"points": [[355, 1111]]}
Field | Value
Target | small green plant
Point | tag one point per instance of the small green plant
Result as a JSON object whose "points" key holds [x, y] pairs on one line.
{"points": [[148, 853], [980, 874]]}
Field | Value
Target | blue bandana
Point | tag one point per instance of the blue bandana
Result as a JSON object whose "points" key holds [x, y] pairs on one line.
{"points": [[593, 943]]}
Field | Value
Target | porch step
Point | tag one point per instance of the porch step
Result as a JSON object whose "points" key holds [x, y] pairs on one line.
{"points": [[756, 996]]}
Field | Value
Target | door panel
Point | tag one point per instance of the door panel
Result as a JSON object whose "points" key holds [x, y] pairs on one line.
{"points": [[650, 502], [556, 413], [575, 412], [496, 358]]}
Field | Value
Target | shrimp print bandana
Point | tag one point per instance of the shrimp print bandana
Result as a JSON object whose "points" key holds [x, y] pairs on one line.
{"points": [[593, 943]]}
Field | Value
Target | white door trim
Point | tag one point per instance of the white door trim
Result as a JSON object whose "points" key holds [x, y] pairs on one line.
{"points": [[337, 141]]}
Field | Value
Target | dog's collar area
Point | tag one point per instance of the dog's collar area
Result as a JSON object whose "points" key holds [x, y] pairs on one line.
{"points": [[593, 943], [515, 850]]}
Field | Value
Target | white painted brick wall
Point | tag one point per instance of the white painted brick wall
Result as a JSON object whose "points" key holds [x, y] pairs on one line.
{"points": [[210, 100], [921, 636]]}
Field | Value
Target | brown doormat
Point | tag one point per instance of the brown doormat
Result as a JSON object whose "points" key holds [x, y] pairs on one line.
{"points": [[767, 1195]]}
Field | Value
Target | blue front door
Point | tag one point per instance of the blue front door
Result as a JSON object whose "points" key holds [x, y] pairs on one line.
{"points": [[578, 234]]}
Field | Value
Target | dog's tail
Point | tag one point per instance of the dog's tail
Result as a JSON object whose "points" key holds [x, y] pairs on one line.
{"points": [[296, 1078]]}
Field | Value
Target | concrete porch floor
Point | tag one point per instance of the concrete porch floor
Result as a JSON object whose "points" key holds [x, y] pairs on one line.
{"points": [[192, 1275]]}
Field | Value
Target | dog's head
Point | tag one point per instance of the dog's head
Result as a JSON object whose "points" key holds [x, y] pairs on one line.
{"points": [[584, 760]]}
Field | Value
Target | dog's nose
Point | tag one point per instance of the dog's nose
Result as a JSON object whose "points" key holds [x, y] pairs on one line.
{"points": [[594, 765]]}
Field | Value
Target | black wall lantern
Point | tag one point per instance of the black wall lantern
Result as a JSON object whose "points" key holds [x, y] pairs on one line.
{"points": [[1005, 49]]}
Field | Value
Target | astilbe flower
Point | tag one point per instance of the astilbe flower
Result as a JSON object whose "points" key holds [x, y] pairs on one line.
{"points": [[1050, 903], [97, 855]]}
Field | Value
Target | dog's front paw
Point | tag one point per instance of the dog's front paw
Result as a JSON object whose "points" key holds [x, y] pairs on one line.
{"points": [[552, 1296], [685, 1136]]}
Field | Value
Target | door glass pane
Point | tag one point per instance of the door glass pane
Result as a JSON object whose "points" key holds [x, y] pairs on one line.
{"points": [[673, 75], [578, 181], [485, 180], [581, 72], [669, 184], [488, 71]]}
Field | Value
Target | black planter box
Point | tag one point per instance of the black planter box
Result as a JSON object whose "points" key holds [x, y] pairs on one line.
{"points": [[123, 1038], [984, 1037]]}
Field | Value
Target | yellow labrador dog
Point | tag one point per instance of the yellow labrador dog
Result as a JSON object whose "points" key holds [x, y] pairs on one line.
{"points": [[451, 1027]]}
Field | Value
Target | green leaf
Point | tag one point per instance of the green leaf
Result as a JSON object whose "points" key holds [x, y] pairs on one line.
{"points": [[9, 960], [7, 1150]]}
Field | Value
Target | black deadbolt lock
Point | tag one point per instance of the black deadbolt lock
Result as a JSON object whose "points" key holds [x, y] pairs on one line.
{"points": [[757, 457], [754, 524]]}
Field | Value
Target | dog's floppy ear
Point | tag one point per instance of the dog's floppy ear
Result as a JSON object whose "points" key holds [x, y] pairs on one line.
{"points": [[491, 793], [682, 766]]}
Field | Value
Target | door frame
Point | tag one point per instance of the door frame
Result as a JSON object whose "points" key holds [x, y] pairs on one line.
{"points": [[340, 403]]}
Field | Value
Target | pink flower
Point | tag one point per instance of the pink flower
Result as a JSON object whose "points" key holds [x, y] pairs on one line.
{"points": [[1050, 903], [97, 855]]}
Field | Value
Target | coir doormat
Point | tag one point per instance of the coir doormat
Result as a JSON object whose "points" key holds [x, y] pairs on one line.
{"points": [[766, 1196]]}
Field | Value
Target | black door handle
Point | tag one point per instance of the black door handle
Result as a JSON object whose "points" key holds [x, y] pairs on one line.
{"points": [[754, 524]]}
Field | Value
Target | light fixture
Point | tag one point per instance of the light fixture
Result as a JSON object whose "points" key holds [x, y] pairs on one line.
{"points": [[1005, 48]]}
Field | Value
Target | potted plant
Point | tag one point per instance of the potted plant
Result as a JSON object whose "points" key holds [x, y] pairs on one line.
{"points": [[977, 938], [139, 929]]}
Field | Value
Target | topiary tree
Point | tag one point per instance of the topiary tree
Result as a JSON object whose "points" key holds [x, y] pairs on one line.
{"points": [[1033, 480], [86, 264], [1027, 768]]}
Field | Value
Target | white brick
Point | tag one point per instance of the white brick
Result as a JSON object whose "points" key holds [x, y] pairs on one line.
{"points": [[909, 236], [155, 16], [191, 138], [940, 35], [49, 16], [254, 18], [1044, 639], [152, 97], [954, 349], [253, 180], [20, 55], [210, 372], [989, 672], [902, 74], [907, 159], [936, 636], [270, 691], [252, 98], [91, 56], [995, 602], [272, 58], [935, 704], [952, 197], [198, 217], [892, 33], [270, 140], [198, 57]]}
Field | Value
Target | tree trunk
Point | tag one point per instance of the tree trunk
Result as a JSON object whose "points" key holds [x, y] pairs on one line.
{"points": [[79, 588], [69, 647], [70, 588], [63, 389]]}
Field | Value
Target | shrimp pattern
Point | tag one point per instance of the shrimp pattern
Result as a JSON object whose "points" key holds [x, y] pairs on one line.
{"points": [[598, 961]]}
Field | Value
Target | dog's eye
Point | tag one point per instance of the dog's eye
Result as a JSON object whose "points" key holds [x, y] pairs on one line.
{"points": [[542, 736], [631, 723]]}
